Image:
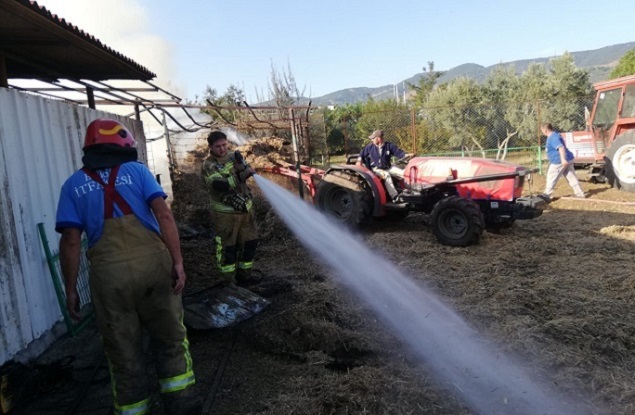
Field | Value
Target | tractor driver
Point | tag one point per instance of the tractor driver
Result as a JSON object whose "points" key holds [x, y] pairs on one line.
{"points": [[377, 157]]}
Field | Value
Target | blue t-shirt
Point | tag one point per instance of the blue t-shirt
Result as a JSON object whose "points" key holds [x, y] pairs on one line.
{"points": [[372, 157], [81, 203], [554, 141]]}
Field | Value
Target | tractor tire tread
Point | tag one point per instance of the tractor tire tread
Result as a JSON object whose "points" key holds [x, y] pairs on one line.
{"points": [[472, 215]]}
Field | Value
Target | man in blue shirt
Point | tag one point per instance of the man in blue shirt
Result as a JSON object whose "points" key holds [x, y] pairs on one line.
{"points": [[560, 163], [377, 156]]}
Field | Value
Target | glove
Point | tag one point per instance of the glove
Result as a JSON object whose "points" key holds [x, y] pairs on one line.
{"points": [[239, 157], [245, 174], [243, 171], [239, 162], [236, 201]]}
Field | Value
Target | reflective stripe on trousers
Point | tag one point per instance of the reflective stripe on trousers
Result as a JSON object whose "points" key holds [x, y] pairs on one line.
{"points": [[234, 232], [138, 408]]}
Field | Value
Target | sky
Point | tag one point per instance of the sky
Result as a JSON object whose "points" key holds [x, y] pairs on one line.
{"points": [[329, 45]]}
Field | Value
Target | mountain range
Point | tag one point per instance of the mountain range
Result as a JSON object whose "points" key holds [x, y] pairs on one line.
{"points": [[599, 63]]}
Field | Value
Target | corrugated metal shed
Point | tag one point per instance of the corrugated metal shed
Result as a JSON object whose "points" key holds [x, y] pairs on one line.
{"points": [[40, 146]]}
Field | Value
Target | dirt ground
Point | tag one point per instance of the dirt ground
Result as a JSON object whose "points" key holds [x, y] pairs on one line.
{"points": [[558, 290]]}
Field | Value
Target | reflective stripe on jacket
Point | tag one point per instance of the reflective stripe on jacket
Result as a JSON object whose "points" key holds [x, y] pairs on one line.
{"points": [[220, 178]]}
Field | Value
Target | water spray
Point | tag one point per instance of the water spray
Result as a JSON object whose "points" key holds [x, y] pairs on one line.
{"points": [[489, 381]]}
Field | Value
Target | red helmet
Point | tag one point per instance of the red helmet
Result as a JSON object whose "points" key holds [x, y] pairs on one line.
{"points": [[105, 131]]}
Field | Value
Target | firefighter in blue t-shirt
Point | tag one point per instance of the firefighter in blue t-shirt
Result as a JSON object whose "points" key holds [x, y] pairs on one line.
{"points": [[136, 269], [378, 155]]}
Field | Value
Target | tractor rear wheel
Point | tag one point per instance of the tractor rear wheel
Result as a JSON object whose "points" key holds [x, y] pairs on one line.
{"points": [[620, 162], [352, 207], [457, 221]]}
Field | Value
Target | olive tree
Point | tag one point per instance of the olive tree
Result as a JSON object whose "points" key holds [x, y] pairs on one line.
{"points": [[568, 89], [499, 89], [625, 66], [456, 110]]}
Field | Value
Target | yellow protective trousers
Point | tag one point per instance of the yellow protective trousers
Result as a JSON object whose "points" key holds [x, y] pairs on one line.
{"points": [[130, 284], [236, 240]]}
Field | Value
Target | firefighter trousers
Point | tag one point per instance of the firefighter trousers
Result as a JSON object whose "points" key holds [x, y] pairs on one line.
{"points": [[236, 242], [130, 284]]}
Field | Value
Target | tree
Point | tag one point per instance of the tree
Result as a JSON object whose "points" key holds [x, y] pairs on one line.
{"points": [[499, 89], [625, 66], [425, 84], [341, 124], [234, 96], [283, 89], [388, 115], [457, 110], [568, 87], [523, 113], [555, 93]]}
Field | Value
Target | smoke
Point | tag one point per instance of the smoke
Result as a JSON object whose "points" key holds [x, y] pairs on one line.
{"points": [[234, 136], [124, 26]]}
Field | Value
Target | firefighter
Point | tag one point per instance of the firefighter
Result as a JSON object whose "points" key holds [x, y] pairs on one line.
{"points": [[225, 175], [136, 269]]}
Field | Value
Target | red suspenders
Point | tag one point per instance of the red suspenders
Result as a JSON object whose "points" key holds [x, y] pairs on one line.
{"points": [[110, 194]]}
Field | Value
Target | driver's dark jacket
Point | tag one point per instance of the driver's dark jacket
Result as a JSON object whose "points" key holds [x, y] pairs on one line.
{"points": [[379, 157]]}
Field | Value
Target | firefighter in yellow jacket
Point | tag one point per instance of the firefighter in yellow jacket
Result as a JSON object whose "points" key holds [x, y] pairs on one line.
{"points": [[225, 174], [136, 269]]}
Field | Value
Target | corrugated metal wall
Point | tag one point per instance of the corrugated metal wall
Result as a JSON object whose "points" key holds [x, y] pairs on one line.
{"points": [[40, 146]]}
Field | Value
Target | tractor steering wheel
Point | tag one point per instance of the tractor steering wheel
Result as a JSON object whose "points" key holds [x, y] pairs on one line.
{"points": [[404, 160]]}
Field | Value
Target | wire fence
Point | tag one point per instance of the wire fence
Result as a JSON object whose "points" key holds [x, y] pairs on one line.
{"points": [[503, 131]]}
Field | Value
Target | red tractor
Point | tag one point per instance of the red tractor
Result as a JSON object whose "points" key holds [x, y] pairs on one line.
{"points": [[608, 144], [463, 196]]}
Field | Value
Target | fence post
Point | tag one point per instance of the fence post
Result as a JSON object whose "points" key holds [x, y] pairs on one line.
{"points": [[294, 140], [539, 132], [345, 131], [166, 132], [325, 151], [538, 121], [413, 126]]}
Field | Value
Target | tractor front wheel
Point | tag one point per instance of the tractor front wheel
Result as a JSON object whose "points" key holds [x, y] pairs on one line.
{"points": [[620, 162], [457, 221]]}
